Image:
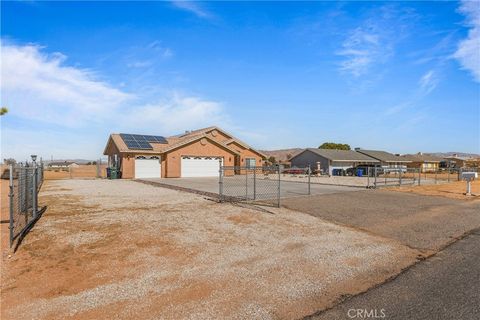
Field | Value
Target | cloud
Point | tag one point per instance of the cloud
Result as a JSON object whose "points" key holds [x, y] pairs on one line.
{"points": [[40, 87], [175, 114], [372, 43], [428, 82], [468, 51], [193, 7]]}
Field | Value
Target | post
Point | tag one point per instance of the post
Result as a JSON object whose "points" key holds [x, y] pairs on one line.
{"points": [[448, 172], [34, 191], [419, 175], [309, 174], [11, 195], [469, 190], [246, 182], [220, 182], [255, 183], [368, 177], [375, 176], [436, 175], [400, 177], [278, 187]]}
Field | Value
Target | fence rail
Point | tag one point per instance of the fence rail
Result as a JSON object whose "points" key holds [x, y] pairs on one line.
{"points": [[25, 182]]}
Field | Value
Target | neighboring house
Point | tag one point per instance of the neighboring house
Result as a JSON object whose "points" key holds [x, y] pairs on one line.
{"points": [[426, 162], [62, 164], [387, 160], [196, 153], [326, 160], [460, 162]]}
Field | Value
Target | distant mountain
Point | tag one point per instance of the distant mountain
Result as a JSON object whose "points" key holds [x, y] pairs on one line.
{"points": [[459, 154], [77, 161], [281, 155]]}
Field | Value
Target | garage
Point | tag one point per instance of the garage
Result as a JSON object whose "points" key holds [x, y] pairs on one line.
{"points": [[147, 167], [200, 166]]}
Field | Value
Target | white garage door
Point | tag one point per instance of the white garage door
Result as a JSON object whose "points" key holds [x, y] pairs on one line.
{"points": [[147, 167], [200, 166]]}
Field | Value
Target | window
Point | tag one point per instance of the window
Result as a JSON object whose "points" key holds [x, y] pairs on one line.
{"points": [[250, 162]]}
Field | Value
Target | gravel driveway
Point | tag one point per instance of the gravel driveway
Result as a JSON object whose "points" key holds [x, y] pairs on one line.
{"points": [[119, 249]]}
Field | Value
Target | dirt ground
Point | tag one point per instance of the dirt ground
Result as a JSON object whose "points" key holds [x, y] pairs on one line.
{"points": [[119, 249], [454, 190]]}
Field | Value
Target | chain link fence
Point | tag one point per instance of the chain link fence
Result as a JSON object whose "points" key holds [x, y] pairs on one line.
{"points": [[24, 185]]}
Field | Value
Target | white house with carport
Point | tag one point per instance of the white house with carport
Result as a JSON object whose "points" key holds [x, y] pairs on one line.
{"points": [[326, 160], [387, 160]]}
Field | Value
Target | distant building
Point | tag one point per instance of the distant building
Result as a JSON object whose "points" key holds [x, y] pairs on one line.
{"points": [[387, 160], [62, 164], [426, 162], [455, 161], [327, 160]]}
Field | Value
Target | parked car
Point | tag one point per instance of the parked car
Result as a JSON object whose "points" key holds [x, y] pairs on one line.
{"points": [[295, 170]]}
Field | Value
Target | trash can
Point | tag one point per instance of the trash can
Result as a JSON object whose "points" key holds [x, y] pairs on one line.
{"points": [[108, 173], [359, 173], [113, 173]]}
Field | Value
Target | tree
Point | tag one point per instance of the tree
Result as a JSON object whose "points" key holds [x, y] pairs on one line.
{"points": [[336, 146], [272, 160], [89, 163], [3, 111], [10, 161], [94, 163]]}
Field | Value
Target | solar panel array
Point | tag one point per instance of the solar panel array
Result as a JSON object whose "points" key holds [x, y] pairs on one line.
{"points": [[139, 141]]}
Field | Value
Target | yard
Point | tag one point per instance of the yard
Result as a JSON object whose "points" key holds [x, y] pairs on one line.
{"points": [[122, 249]]}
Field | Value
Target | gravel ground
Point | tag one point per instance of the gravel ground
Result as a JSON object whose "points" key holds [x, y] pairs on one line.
{"points": [[423, 222], [119, 249]]}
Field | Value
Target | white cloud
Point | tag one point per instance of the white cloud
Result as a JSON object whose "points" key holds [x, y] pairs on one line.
{"points": [[44, 95], [193, 7], [40, 87], [428, 82], [175, 114], [468, 52]]}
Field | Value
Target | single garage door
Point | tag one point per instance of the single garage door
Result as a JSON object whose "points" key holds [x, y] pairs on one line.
{"points": [[147, 167], [200, 166]]}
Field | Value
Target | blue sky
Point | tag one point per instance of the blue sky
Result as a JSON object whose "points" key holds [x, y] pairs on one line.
{"points": [[398, 76]]}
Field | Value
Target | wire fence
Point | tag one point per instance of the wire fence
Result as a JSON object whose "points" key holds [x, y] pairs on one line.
{"points": [[25, 182], [268, 185]]}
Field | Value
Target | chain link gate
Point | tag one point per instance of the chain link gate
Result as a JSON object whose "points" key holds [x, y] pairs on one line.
{"points": [[24, 185], [250, 184]]}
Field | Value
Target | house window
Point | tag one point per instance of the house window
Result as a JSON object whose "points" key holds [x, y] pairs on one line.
{"points": [[250, 162]]}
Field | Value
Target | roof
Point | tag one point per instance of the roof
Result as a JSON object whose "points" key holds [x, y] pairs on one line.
{"points": [[177, 141], [421, 157], [383, 156], [339, 155]]}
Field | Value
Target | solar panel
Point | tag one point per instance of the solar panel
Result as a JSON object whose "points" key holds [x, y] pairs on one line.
{"points": [[139, 141]]}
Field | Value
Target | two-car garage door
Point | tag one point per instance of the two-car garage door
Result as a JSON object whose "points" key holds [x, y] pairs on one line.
{"points": [[200, 166]]}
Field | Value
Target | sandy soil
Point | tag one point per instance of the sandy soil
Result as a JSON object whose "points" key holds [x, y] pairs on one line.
{"points": [[454, 190], [119, 249], [4, 215], [82, 171]]}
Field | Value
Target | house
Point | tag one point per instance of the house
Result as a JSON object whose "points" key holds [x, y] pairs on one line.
{"points": [[197, 153], [426, 162], [387, 160], [62, 164], [456, 161], [326, 160]]}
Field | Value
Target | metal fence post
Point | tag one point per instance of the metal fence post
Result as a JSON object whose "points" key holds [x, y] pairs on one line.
{"points": [[400, 177], [254, 183], [419, 175], [436, 176], [246, 183], [375, 176], [11, 195], [448, 173], [309, 180], [368, 177], [34, 191], [220, 183], [278, 187]]}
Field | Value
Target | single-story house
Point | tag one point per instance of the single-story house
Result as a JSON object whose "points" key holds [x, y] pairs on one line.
{"points": [[62, 164], [387, 160], [326, 160], [456, 161], [426, 162], [197, 153]]}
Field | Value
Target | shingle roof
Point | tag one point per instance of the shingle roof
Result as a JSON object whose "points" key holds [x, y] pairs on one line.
{"points": [[383, 156], [179, 140], [421, 157], [340, 155]]}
